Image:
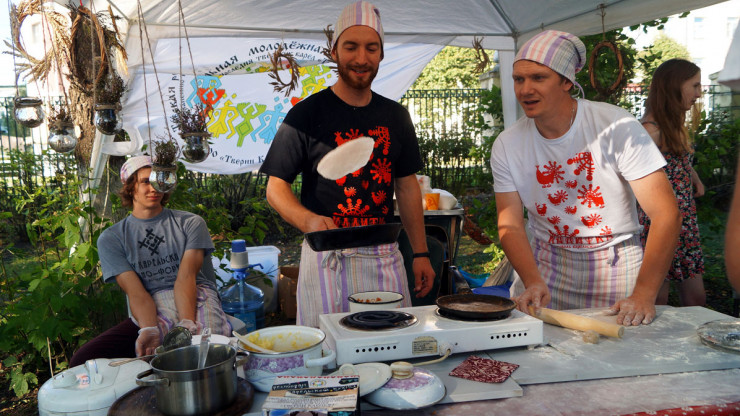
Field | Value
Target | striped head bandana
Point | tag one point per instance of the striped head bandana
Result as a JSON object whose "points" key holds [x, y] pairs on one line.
{"points": [[359, 13], [560, 51], [133, 164]]}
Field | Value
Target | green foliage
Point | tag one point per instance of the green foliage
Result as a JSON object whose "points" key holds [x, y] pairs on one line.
{"points": [[52, 305], [451, 68], [233, 206], [662, 49], [606, 65], [715, 162]]}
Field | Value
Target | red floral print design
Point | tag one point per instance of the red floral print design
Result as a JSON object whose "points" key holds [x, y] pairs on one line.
{"points": [[591, 196], [583, 162], [551, 173]]}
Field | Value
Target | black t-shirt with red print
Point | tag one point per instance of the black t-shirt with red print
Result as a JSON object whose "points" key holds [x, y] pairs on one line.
{"points": [[322, 122]]}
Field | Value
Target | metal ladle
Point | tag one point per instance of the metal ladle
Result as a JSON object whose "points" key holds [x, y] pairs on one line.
{"points": [[178, 337]]}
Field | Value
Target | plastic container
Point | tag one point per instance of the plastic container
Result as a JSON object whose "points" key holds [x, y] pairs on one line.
{"points": [[244, 301], [261, 258]]}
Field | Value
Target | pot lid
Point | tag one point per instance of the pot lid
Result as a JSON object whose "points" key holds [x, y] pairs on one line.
{"points": [[372, 375], [409, 388]]}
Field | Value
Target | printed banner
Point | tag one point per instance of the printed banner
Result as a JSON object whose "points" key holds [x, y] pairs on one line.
{"points": [[246, 110]]}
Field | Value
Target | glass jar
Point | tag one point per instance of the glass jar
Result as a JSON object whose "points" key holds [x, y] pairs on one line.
{"points": [[196, 148], [107, 119], [28, 111], [62, 137], [163, 177]]}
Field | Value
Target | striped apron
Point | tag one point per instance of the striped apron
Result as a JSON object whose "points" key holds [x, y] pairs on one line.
{"points": [[327, 278], [208, 312], [586, 279]]}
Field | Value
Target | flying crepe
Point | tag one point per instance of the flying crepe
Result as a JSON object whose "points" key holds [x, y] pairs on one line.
{"points": [[346, 158]]}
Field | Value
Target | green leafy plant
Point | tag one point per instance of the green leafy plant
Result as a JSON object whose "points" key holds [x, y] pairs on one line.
{"points": [[57, 302]]}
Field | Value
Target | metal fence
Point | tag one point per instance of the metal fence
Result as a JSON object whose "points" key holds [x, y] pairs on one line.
{"points": [[26, 161], [443, 121]]}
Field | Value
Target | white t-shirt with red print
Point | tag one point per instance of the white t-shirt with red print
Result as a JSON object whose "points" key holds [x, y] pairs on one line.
{"points": [[575, 187]]}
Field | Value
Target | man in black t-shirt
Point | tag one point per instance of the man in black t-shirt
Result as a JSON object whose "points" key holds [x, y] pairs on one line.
{"points": [[320, 123]]}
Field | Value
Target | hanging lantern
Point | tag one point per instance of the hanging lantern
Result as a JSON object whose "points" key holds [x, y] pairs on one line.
{"points": [[196, 147], [28, 111], [163, 178], [107, 119], [62, 137]]}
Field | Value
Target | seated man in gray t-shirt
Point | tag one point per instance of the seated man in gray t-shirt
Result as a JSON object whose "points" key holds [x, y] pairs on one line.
{"points": [[161, 258]]}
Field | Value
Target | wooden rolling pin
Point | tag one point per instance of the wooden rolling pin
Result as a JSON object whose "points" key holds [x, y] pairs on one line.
{"points": [[581, 323]]}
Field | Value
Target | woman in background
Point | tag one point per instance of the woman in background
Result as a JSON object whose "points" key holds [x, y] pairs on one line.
{"points": [[674, 90]]}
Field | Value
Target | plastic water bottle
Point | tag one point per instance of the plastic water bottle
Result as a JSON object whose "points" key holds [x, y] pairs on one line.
{"points": [[241, 299]]}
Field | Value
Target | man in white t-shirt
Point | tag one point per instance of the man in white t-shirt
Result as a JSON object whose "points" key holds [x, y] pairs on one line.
{"points": [[577, 167]]}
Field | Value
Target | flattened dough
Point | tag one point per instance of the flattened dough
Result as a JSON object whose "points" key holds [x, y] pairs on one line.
{"points": [[346, 158]]}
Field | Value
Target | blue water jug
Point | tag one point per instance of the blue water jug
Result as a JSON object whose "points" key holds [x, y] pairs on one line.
{"points": [[241, 299]]}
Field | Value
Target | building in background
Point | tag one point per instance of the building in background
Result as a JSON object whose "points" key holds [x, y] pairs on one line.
{"points": [[706, 33]]}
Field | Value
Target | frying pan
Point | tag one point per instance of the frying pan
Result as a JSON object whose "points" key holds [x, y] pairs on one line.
{"points": [[351, 237], [471, 306]]}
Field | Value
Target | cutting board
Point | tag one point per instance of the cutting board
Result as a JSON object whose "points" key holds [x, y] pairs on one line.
{"points": [[668, 345]]}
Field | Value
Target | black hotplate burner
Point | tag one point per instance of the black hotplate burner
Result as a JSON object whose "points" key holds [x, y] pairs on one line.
{"points": [[378, 320]]}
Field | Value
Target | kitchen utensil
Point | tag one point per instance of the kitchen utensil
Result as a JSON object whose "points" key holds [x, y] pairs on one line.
{"points": [[177, 337], [347, 158], [374, 300], [471, 306], [298, 353], [372, 375], [245, 339], [581, 323], [116, 363], [409, 388], [351, 237], [205, 336], [184, 389], [723, 334]]}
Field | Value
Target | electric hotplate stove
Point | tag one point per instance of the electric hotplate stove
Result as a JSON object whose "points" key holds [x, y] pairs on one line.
{"points": [[422, 331]]}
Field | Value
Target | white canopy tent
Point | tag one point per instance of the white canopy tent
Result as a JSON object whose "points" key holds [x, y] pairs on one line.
{"points": [[503, 25]]}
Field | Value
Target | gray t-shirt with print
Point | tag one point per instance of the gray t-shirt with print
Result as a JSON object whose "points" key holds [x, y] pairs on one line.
{"points": [[153, 248]]}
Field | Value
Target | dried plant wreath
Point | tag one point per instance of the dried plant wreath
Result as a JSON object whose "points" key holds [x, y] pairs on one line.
{"points": [[481, 56], [91, 41], [277, 64], [326, 51], [57, 55]]}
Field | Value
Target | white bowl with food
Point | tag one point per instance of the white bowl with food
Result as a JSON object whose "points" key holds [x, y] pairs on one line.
{"points": [[374, 301], [297, 352]]}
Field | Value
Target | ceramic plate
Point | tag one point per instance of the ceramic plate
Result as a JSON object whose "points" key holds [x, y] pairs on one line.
{"points": [[372, 375], [723, 334], [214, 339]]}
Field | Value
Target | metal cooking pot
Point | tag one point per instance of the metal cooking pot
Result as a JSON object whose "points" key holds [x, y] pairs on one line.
{"points": [[471, 306], [352, 237], [184, 390]]}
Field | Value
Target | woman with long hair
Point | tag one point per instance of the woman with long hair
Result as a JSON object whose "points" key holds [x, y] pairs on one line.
{"points": [[675, 88]]}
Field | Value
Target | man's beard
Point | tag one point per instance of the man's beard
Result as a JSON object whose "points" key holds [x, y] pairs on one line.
{"points": [[346, 74]]}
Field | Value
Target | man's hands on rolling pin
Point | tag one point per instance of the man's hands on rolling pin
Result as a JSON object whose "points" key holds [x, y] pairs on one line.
{"points": [[536, 295], [423, 276], [633, 310]]}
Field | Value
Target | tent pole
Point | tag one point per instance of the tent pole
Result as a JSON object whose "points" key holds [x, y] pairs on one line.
{"points": [[506, 66]]}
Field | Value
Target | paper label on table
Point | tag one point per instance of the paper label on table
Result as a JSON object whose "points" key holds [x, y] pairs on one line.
{"points": [[424, 345]]}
